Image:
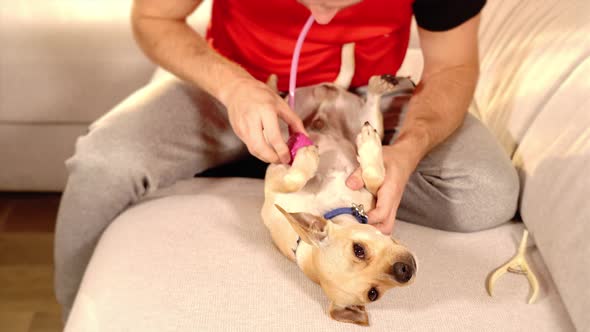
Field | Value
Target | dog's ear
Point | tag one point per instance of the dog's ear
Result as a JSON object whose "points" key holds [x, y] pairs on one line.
{"points": [[312, 229], [350, 314]]}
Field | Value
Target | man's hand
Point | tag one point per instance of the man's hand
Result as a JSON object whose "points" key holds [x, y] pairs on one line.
{"points": [[254, 110], [435, 111], [397, 173]]}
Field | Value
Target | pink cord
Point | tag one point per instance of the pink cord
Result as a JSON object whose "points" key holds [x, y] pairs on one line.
{"points": [[295, 60], [297, 140]]}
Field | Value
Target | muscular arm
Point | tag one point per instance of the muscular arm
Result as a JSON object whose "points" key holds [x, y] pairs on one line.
{"points": [[436, 110], [439, 105], [161, 30]]}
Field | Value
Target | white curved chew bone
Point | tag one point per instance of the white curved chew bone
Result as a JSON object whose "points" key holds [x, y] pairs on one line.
{"points": [[517, 264]]}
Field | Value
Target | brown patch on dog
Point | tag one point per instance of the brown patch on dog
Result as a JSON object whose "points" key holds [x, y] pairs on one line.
{"points": [[318, 124]]}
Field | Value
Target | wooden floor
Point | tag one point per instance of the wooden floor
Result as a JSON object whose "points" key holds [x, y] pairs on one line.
{"points": [[27, 301]]}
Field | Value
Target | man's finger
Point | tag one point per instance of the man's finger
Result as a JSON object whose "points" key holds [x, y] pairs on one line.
{"points": [[257, 144], [273, 136], [387, 225], [355, 180], [291, 118], [385, 201]]}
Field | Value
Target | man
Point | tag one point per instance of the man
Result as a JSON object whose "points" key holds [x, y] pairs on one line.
{"points": [[451, 172]]}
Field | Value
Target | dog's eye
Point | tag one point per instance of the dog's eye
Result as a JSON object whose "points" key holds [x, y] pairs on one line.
{"points": [[373, 294], [359, 251]]}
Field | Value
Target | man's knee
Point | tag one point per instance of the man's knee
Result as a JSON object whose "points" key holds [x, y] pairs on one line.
{"points": [[490, 198], [479, 194], [468, 181], [105, 165]]}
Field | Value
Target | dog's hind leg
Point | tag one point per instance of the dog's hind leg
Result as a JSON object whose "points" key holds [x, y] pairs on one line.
{"points": [[370, 157], [286, 179], [379, 86]]}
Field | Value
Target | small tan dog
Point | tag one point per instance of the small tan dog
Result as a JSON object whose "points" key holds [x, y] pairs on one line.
{"points": [[354, 263]]}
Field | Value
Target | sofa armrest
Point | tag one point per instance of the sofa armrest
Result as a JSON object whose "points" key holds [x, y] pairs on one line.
{"points": [[554, 164], [533, 94]]}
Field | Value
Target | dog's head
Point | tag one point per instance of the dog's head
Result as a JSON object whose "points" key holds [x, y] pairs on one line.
{"points": [[355, 264]]}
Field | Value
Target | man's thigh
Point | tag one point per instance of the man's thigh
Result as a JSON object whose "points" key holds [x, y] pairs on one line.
{"points": [[168, 129], [465, 184]]}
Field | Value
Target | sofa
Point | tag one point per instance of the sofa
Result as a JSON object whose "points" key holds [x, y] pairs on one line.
{"points": [[63, 64], [196, 257]]}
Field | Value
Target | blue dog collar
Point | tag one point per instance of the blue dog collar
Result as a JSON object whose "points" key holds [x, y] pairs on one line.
{"points": [[356, 211]]}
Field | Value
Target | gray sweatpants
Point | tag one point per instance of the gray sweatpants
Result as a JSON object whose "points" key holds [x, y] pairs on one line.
{"points": [[169, 131]]}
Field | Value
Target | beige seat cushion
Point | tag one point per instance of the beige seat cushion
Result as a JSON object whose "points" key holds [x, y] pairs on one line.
{"points": [[205, 262]]}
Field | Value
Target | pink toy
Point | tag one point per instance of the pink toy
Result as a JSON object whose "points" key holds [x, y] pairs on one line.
{"points": [[296, 142], [295, 60]]}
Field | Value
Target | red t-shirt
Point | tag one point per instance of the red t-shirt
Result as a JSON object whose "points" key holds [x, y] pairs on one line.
{"points": [[260, 35]]}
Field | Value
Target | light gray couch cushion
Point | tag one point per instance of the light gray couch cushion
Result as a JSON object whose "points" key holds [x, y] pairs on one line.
{"points": [[63, 64], [205, 262]]}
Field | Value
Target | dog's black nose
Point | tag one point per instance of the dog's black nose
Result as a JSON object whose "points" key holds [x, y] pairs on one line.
{"points": [[403, 272]]}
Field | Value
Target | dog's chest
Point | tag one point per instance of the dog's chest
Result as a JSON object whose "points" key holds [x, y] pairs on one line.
{"points": [[337, 154]]}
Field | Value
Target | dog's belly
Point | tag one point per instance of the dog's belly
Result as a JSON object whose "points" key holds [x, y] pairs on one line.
{"points": [[328, 190], [322, 195]]}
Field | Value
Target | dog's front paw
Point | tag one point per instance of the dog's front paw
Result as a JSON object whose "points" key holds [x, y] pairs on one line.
{"points": [[382, 84], [370, 157], [305, 166]]}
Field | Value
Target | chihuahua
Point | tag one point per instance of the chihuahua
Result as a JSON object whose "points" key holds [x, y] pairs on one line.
{"points": [[319, 223]]}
